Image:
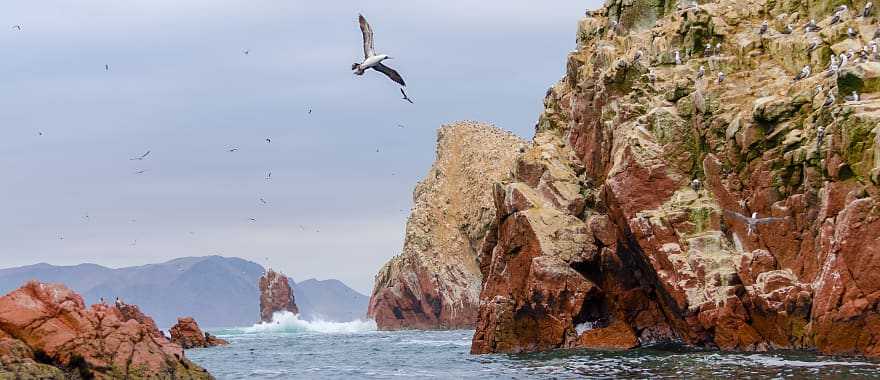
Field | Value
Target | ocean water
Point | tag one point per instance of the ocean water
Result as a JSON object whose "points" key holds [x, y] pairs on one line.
{"points": [[290, 348]]}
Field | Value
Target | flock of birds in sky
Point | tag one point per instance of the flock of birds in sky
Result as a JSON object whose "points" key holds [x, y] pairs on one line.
{"points": [[371, 61]]}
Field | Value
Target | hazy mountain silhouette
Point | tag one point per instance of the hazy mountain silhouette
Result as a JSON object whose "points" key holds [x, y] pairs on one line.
{"points": [[217, 291]]}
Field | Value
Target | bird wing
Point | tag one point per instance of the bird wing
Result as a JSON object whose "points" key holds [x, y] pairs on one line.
{"points": [[737, 215], [146, 154], [367, 31], [768, 220], [390, 73]]}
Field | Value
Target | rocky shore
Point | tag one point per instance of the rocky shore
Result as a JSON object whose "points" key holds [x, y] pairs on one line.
{"points": [[188, 334]]}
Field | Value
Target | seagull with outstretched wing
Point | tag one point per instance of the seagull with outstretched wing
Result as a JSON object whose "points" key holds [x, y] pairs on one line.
{"points": [[141, 157], [371, 59], [753, 221]]}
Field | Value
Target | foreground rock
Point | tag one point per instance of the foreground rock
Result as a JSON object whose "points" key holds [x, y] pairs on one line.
{"points": [[435, 282], [47, 332], [275, 295], [188, 335], [655, 256]]}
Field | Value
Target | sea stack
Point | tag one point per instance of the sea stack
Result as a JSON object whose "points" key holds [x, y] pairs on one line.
{"points": [[649, 260], [275, 295], [188, 335], [46, 332], [435, 282]]}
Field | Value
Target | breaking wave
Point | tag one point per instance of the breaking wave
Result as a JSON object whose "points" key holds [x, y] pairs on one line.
{"points": [[287, 322]]}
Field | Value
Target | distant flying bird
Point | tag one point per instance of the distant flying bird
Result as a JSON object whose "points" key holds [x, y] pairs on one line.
{"points": [[141, 171], [764, 26], [371, 59], [60, 237], [233, 149], [753, 222], [310, 111], [268, 140], [39, 133], [269, 175], [246, 51], [16, 27], [252, 220], [405, 97], [141, 157], [399, 125], [263, 201], [134, 243], [106, 67]]}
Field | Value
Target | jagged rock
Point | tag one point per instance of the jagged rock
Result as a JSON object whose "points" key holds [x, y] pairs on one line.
{"points": [[275, 295], [435, 282], [188, 335], [46, 328], [650, 258]]}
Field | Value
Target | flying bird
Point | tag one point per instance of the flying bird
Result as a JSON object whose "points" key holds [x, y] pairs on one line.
{"points": [[371, 59], [263, 201], [252, 220], [753, 222], [39, 133], [246, 51], [269, 175], [106, 67], [233, 149], [268, 140], [141, 157], [16, 27], [141, 171], [405, 97]]}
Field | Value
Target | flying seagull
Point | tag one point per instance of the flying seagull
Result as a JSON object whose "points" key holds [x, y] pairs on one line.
{"points": [[141, 171], [269, 175], [371, 59], [263, 201], [246, 51], [754, 221], [141, 157], [268, 140], [16, 27], [106, 67], [233, 149], [405, 97]]}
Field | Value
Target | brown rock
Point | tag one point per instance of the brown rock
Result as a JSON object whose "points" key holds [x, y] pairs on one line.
{"points": [[99, 342], [188, 335], [275, 295], [435, 282]]}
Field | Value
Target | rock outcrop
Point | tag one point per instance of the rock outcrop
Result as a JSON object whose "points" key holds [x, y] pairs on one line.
{"points": [[46, 331], [435, 282], [624, 223], [188, 335], [275, 295]]}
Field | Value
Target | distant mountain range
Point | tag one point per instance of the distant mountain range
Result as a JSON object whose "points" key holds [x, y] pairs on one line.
{"points": [[216, 291]]}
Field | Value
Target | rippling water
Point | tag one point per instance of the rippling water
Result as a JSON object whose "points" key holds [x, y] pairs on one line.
{"points": [[294, 349]]}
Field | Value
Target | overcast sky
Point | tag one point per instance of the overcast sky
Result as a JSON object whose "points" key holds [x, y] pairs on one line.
{"points": [[180, 86]]}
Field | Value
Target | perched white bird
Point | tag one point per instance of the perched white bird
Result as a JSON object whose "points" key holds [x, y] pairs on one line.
{"points": [[867, 10], [720, 77], [829, 100], [677, 58], [764, 26], [701, 72], [852, 98], [805, 72], [371, 59]]}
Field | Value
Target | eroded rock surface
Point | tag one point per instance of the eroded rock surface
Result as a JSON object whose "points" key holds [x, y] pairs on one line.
{"points": [[435, 282], [275, 295], [188, 334], [46, 331], [603, 238]]}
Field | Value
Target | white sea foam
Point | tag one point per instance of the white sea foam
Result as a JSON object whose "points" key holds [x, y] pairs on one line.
{"points": [[289, 322]]}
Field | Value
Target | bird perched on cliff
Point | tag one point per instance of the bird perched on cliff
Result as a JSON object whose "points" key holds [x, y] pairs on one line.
{"points": [[811, 26], [764, 26], [371, 59], [708, 50], [829, 100], [788, 29], [817, 90], [677, 58], [637, 56], [720, 77], [812, 46], [850, 32], [141, 157], [805, 72], [837, 15], [852, 98], [843, 60], [718, 48], [866, 11], [696, 185], [753, 221], [820, 136], [831, 70], [701, 72], [405, 96]]}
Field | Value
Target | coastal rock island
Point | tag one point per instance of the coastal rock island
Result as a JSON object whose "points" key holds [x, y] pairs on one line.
{"points": [[47, 332], [275, 295], [435, 282], [627, 221], [188, 334]]}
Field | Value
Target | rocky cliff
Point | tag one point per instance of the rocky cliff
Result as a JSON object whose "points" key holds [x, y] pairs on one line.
{"points": [[188, 334], [627, 220], [275, 295], [435, 282], [46, 331]]}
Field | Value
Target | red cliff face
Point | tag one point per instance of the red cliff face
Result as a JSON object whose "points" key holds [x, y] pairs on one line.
{"points": [[275, 295], [46, 327], [188, 335], [435, 282], [603, 239]]}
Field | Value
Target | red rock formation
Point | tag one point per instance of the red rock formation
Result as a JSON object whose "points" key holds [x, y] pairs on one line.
{"points": [[188, 335], [435, 282], [275, 295], [603, 240], [49, 324]]}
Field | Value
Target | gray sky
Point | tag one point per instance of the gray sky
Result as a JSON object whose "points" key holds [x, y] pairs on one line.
{"points": [[180, 86]]}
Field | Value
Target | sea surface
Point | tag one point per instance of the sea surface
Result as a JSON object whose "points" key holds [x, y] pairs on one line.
{"points": [[289, 348]]}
